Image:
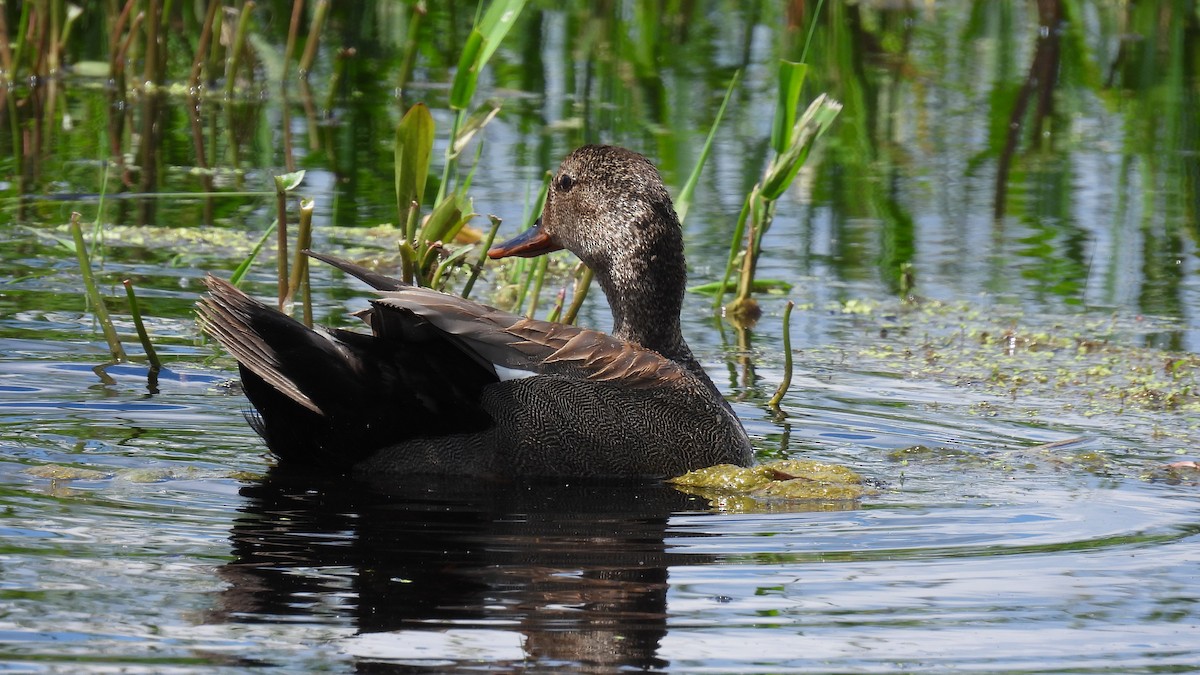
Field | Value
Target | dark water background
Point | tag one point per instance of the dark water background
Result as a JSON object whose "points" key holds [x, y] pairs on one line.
{"points": [[1033, 167]]}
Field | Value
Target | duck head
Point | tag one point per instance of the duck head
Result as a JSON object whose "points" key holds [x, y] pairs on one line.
{"points": [[609, 206]]}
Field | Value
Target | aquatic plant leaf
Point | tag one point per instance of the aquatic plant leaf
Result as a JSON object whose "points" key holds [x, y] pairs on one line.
{"points": [[791, 79], [236, 278], [815, 121], [475, 123], [684, 200], [447, 219], [483, 41], [465, 78], [289, 181], [495, 24], [414, 151], [758, 286]]}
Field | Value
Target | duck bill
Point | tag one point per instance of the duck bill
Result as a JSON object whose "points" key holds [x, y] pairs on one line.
{"points": [[530, 243]]}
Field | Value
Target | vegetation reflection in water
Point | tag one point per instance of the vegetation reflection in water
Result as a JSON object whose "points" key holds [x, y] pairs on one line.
{"points": [[992, 252]]}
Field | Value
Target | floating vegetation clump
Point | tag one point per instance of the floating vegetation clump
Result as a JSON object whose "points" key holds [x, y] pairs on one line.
{"points": [[1072, 373], [1059, 455], [65, 472], [1093, 365], [812, 485]]}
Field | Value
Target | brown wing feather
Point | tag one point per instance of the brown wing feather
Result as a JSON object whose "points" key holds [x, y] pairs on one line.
{"points": [[540, 346]]}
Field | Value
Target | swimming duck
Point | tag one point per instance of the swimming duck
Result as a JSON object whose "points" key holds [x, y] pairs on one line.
{"points": [[444, 385]]}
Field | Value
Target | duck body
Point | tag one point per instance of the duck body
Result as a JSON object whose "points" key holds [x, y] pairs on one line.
{"points": [[444, 385]]}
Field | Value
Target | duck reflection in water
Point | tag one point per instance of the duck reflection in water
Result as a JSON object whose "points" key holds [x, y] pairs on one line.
{"points": [[577, 572]]}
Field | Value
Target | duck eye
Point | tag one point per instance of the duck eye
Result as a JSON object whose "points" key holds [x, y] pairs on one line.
{"points": [[564, 182]]}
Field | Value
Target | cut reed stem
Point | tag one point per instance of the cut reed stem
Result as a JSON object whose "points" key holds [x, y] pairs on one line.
{"points": [[281, 238]]}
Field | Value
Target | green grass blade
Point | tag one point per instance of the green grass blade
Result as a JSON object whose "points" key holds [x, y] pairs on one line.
{"points": [[467, 74], [483, 41], [236, 278], [684, 201], [495, 24]]}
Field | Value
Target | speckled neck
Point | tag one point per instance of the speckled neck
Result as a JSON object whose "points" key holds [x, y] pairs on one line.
{"points": [[645, 285]]}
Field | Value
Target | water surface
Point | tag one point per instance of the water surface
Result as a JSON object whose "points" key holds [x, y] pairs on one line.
{"points": [[1013, 412]]}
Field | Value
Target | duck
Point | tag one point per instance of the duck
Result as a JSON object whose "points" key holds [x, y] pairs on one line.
{"points": [[442, 385]]}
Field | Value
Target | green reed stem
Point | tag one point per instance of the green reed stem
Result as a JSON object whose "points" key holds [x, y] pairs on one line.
{"points": [[556, 311], [93, 292], [215, 50], [314, 37], [410, 45], [239, 44], [812, 27], [337, 76], [448, 168], [299, 278], [203, 45], [303, 243], [735, 247], [135, 310], [539, 280], [581, 292], [684, 201], [22, 34], [56, 11], [6, 56], [478, 266], [786, 382], [150, 68], [293, 32], [281, 235]]}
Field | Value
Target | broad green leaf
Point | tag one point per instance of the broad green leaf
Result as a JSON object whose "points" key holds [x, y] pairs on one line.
{"points": [[483, 41], [446, 217], [414, 150], [791, 79]]}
